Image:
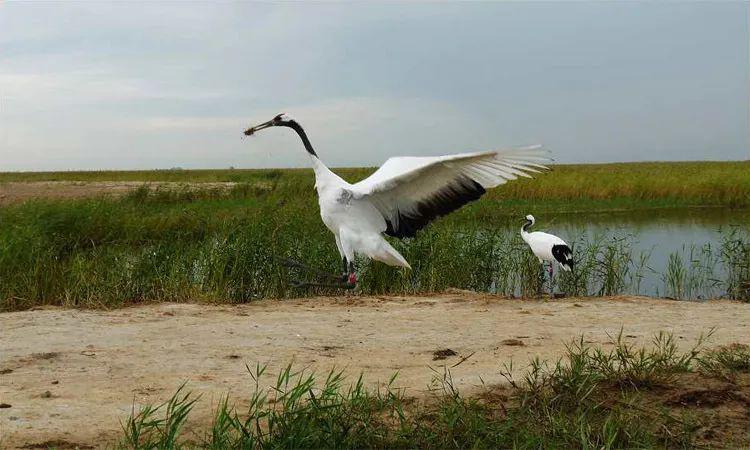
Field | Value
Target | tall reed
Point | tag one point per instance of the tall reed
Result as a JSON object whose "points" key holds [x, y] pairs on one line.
{"points": [[735, 256], [223, 245]]}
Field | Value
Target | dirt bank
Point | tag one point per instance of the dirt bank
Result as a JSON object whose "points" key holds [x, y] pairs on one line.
{"points": [[71, 376], [15, 192]]}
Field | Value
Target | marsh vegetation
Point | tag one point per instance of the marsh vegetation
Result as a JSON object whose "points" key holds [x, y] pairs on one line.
{"points": [[566, 188], [223, 244]]}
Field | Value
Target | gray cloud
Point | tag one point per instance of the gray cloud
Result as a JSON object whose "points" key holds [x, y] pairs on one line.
{"points": [[154, 85]]}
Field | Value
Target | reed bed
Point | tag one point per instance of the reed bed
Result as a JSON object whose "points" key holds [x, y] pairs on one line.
{"points": [[565, 187], [224, 245]]}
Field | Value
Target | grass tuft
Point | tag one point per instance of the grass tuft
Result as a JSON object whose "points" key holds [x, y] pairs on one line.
{"points": [[150, 429], [726, 362], [590, 398]]}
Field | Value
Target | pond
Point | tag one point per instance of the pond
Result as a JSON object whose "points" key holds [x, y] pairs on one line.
{"points": [[660, 240]]}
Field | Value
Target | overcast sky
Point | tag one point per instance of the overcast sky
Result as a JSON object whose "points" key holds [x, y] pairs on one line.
{"points": [[159, 85]]}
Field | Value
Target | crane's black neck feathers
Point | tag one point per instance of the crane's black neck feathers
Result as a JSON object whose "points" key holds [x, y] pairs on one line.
{"points": [[302, 135], [526, 225]]}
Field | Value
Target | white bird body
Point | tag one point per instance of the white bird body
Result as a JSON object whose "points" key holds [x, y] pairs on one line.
{"points": [[541, 244], [356, 224], [405, 193], [547, 247]]}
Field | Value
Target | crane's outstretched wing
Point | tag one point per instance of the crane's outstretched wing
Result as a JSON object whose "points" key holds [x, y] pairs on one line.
{"points": [[412, 191]]}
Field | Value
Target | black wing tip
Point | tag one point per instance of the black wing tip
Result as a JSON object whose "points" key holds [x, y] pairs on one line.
{"points": [[441, 203], [563, 254]]}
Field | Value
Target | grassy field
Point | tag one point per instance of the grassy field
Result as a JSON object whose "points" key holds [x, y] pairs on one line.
{"points": [[567, 188], [221, 245], [624, 397]]}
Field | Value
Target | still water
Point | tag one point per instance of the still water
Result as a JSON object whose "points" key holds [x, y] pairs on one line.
{"points": [[657, 234]]}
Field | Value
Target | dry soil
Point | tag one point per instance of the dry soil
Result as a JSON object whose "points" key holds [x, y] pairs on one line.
{"points": [[70, 376]]}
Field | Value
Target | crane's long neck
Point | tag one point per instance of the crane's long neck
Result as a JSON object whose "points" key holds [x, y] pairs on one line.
{"points": [[302, 135], [525, 230], [323, 175]]}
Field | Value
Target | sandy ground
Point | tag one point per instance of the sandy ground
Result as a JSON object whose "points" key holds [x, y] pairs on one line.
{"points": [[72, 376], [15, 192]]}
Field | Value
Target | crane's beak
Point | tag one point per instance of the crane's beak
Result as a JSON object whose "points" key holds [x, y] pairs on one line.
{"points": [[250, 131]]}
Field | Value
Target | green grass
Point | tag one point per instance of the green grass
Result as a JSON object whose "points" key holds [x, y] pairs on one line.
{"points": [[726, 362], [566, 188], [221, 245], [591, 398]]}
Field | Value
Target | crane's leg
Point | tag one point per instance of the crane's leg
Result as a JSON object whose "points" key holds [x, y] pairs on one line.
{"points": [[540, 280], [345, 271], [344, 260], [324, 279], [551, 275], [347, 239], [352, 278], [292, 264]]}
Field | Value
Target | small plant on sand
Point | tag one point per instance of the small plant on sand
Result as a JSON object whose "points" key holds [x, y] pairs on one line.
{"points": [[589, 398], [159, 427], [726, 362]]}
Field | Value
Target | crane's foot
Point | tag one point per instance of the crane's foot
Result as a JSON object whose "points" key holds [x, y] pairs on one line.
{"points": [[324, 279], [347, 280], [292, 264], [304, 284]]}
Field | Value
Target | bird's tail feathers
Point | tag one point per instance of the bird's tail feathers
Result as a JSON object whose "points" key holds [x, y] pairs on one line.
{"points": [[389, 255], [569, 263]]}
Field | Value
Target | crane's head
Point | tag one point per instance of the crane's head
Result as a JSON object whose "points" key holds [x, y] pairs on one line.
{"points": [[281, 120], [530, 218], [284, 120]]}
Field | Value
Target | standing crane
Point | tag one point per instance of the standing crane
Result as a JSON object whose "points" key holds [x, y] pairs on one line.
{"points": [[547, 247]]}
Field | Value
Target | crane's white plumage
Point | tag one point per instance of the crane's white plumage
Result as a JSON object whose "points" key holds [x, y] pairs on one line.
{"points": [[411, 191], [547, 247], [405, 193]]}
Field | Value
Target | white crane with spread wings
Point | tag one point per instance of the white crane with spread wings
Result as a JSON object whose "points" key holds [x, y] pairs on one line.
{"points": [[404, 194]]}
